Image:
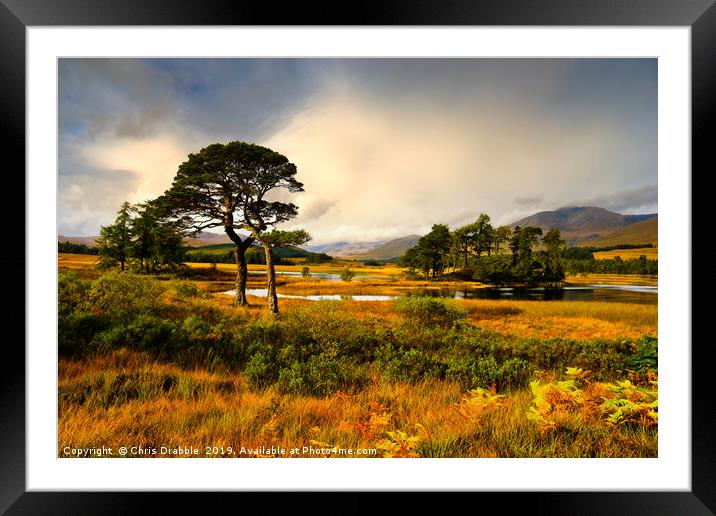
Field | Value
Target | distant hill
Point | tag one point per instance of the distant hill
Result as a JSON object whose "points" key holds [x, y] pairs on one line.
{"points": [[345, 248], [201, 240], [586, 225], [206, 238], [642, 232], [88, 241], [390, 249]]}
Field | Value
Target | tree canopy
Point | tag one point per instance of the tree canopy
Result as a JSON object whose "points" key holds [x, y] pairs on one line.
{"points": [[229, 185]]}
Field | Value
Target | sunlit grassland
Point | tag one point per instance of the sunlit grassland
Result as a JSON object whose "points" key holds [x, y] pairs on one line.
{"points": [[156, 389], [126, 399], [612, 279], [651, 253]]}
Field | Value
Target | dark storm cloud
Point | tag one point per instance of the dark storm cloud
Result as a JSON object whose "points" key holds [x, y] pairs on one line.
{"points": [[632, 201]]}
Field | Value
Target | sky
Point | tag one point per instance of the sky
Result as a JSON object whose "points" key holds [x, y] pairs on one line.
{"points": [[384, 147]]}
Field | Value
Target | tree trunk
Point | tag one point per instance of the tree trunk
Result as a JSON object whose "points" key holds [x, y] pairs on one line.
{"points": [[241, 275], [270, 280], [122, 264]]}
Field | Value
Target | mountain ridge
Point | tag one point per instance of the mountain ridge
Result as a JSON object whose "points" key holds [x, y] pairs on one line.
{"points": [[580, 225]]}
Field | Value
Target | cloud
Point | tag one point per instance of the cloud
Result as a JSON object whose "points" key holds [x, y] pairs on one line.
{"points": [[384, 147], [631, 201], [85, 199], [313, 209], [529, 200], [397, 169]]}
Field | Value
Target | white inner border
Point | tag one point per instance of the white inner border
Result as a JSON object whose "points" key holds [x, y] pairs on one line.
{"points": [[671, 471]]}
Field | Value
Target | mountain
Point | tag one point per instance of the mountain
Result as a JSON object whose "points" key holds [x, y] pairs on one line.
{"points": [[585, 225], [642, 232], [205, 238], [388, 250], [344, 248]]}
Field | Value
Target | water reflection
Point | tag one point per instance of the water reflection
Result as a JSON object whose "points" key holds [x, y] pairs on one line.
{"points": [[609, 293]]}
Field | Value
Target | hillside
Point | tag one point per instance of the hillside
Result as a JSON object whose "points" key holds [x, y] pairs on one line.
{"points": [[206, 238], [345, 248], [642, 232], [588, 225], [391, 249]]}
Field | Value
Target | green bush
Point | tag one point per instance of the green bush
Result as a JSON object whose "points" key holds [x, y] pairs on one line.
{"points": [[125, 295], [473, 372], [71, 293], [408, 364], [261, 370], [430, 311], [76, 331], [347, 274], [187, 289], [320, 376]]}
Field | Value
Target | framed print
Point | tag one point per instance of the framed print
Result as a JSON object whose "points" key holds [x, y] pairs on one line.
{"points": [[424, 246]]}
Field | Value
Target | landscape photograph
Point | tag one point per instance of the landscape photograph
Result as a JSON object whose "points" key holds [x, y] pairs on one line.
{"points": [[357, 258]]}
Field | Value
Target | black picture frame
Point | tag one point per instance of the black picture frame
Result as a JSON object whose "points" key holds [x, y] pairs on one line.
{"points": [[16, 15]]}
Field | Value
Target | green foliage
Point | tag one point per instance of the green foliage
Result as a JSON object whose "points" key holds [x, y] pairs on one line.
{"points": [[71, 293], [483, 372], [125, 295], [613, 266], [140, 234], [496, 270], [261, 370], [305, 272], [75, 332], [631, 405], [408, 364], [186, 289], [114, 242], [320, 347], [320, 376], [430, 311], [69, 247], [646, 355], [347, 274], [587, 253]]}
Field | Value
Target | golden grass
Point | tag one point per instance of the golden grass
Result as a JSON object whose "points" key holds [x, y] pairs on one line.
{"points": [[201, 409], [578, 320], [651, 253], [612, 279]]}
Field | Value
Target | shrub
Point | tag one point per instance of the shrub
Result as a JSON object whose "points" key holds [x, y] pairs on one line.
{"points": [[125, 294], [306, 272], [186, 289], [347, 274], [71, 293], [261, 370], [484, 372], [329, 328], [75, 331], [430, 311], [408, 364], [320, 376]]}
